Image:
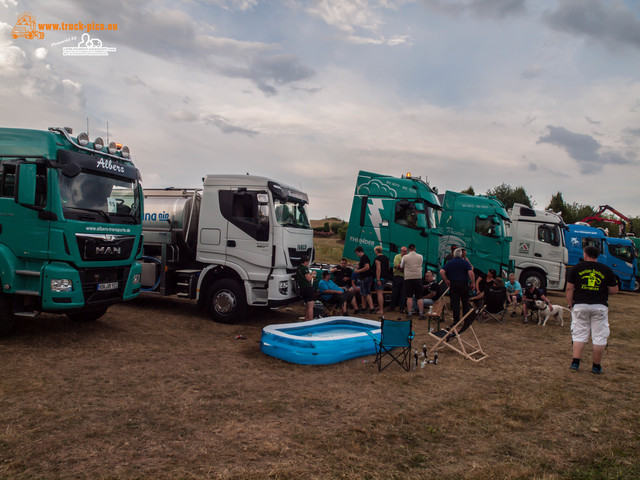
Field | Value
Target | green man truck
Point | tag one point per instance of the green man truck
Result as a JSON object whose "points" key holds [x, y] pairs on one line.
{"points": [[395, 212], [232, 244], [70, 225]]}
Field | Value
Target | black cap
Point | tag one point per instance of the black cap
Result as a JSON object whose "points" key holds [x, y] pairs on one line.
{"points": [[529, 285]]}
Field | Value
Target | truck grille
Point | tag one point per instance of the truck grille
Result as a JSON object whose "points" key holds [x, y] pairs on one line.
{"points": [[294, 255], [92, 277], [105, 247]]}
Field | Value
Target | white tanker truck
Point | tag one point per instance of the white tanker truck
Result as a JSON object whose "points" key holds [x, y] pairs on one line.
{"points": [[234, 243]]}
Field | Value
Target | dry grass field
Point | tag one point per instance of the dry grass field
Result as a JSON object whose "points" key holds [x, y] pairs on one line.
{"points": [[156, 390]]}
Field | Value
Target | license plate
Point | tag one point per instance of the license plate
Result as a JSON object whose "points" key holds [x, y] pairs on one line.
{"points": [[107, 286]]}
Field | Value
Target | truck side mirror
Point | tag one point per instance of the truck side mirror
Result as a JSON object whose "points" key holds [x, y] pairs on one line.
{"points": [[25, 193], [422, 221]]}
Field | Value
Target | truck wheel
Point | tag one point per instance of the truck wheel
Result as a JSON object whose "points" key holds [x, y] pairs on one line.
{"points": [[226, 301], [637, 286], [7, 318], [538, 279], [89, 315]]}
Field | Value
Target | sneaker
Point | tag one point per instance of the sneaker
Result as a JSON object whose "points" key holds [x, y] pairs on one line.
{"points": [[596, 370], [373, 310], [421, 316], [409, 315], [513, 314], [574, 367]]}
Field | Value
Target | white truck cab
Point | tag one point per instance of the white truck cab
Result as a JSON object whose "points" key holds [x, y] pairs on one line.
{"points": [[537, 247], [233, 244]]}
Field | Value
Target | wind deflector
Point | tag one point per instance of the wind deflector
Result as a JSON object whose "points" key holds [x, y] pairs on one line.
{"points": [[287, 194]]}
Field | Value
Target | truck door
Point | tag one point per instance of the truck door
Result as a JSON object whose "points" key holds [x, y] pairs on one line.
{"points": [[489, 248], [621, 259], [548, 244], [248, 241], [23, 230]]}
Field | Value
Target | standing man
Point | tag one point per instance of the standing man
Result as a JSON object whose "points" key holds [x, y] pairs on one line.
{"points": [[365, 272], [397, 290], [457, 273], [304, 278], [589, 285], [411, 265], [381, 269]]}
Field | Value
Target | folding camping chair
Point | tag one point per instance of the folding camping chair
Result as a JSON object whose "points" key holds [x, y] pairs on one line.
{"points": [[452, 338], [495, 299], [394, 334]]}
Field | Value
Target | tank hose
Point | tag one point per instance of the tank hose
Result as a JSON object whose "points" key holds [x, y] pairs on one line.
{"points": [[159, 276]]}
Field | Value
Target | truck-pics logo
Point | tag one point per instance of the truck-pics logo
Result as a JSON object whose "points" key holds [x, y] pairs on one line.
{"points": [[26, 27], [89, 47]]}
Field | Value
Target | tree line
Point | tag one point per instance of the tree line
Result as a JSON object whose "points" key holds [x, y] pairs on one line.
{"points": [[571, 212]]}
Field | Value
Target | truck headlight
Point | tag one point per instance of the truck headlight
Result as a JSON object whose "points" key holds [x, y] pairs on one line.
{"points": [[62, 285], [283, 287], [136, 278]]}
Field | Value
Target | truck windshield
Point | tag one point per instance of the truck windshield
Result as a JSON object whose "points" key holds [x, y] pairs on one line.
{"points": [[100, 198], [292, 215], [623, 252]]}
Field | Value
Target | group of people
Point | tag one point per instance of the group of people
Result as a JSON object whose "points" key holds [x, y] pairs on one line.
{"points": [[588, 285]]}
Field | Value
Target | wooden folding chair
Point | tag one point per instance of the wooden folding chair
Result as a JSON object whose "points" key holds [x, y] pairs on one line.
{"points": [[437, 312], [452, 338]]}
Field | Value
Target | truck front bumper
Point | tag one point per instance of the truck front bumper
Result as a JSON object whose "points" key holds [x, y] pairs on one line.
{"points": [[67, 288]]}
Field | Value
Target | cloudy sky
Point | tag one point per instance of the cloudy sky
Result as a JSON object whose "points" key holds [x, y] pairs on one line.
{"points": [[543, 94]]}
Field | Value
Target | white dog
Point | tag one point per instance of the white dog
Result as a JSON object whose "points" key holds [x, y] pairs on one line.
{"points": [[545, 312]]}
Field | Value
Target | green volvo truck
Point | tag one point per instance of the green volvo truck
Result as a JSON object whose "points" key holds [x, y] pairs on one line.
{"points": [[395, 212], [70, 225]]}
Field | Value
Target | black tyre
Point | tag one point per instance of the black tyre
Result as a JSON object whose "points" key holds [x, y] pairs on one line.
{"points": [[637, 287], [226, 301], [7, 318], [88, 315], [538, 279]]}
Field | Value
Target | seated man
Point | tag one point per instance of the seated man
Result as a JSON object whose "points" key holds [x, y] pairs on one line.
{"points": [[531, 294], [514, 292], [430, 289], [342, 274], [332, 293]]}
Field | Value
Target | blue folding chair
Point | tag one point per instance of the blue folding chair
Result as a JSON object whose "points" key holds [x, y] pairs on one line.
{"points": [[394, 334]]}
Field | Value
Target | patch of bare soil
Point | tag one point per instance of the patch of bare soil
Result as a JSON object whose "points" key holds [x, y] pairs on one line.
{"points": [[156, 390]]}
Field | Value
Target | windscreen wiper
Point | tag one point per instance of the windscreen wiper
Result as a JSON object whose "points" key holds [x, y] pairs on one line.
{"points": [[92, 210]]}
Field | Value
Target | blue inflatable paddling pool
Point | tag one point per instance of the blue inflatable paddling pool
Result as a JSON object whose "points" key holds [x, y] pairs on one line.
{"points": [[322, 341]]}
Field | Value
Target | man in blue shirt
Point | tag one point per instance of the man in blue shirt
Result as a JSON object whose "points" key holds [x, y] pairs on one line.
{"points": [[457, 273], [333, 293]]}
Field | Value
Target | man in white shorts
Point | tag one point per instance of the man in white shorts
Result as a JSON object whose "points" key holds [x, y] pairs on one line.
{"points": [[589, 285]]}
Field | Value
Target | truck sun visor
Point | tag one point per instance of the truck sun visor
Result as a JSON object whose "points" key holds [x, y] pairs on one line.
{"points": [[287, 194], [98, 163]]}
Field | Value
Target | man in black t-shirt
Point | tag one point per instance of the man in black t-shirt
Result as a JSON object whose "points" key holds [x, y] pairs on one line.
{"points": [[381, 275], [342, 273], [589, 285], [365, 271]]}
